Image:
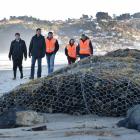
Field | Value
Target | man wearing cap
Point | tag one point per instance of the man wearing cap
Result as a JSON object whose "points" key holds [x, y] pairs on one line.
{"points": [[85, 47], [17, 51]]}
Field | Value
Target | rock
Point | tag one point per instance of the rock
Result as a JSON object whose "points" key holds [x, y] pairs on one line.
{"points": [[17, 118], [29, 118], [38, 128], [8, 118], [132, 120]]}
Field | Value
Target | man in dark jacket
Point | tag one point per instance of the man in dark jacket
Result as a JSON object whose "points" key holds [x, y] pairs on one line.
{"points": [[52, 47], [85, 47], [17, 50], [37, 51]]}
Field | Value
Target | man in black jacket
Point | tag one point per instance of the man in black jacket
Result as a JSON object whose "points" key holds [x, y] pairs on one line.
{"points": [[17, 50], [37, 51]]}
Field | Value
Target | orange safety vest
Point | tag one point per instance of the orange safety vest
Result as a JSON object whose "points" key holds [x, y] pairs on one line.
{"points": [[71, 51], [84, 47], [50, 45]]}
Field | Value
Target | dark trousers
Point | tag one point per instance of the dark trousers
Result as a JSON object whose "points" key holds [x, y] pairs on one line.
{"points": [[17, 64], [39, 60], [71, 60], [82, 56]]}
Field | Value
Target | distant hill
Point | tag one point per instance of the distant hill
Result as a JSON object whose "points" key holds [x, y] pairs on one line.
{"points": [[106, 33], [7, 35]]}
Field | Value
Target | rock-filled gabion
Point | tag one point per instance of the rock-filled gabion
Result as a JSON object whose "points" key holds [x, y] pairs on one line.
{"points": [[102, 85]]}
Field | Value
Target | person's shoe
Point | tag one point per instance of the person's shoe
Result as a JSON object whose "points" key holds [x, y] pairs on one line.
{"points": [[31, 78], [14, 78], [15, 75], [21, 77]]}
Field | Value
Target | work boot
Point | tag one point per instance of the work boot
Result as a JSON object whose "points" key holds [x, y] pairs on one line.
{"points": [[21, 76], [31, 78], [14, 78], [14, 75]]}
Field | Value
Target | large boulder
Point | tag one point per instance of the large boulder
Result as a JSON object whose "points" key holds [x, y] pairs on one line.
{"points": [[29, 118], [132, 120]]}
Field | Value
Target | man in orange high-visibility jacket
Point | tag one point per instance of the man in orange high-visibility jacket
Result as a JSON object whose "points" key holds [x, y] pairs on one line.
{"points": [[52, 47], [70, 51], [85, 47]]}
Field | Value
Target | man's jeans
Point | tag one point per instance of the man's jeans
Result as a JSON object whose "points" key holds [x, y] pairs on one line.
{"points": [[83, 56], [50, 61], [33, 67]]}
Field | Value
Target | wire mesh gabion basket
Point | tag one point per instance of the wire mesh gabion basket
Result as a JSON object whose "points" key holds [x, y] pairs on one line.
{"points": [[103, 85]]}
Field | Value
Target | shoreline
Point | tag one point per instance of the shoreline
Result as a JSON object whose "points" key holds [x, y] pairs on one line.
{"points": [[69, 127], [7, 84]]}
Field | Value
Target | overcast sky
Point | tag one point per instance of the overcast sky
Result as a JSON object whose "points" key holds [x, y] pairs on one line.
{"points": [[63, 9]]}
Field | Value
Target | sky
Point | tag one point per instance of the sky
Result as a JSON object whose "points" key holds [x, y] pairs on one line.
{"points": [[63, 9]]}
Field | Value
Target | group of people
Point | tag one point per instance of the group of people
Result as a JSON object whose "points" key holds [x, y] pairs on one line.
{"points": [[41, 47]]}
